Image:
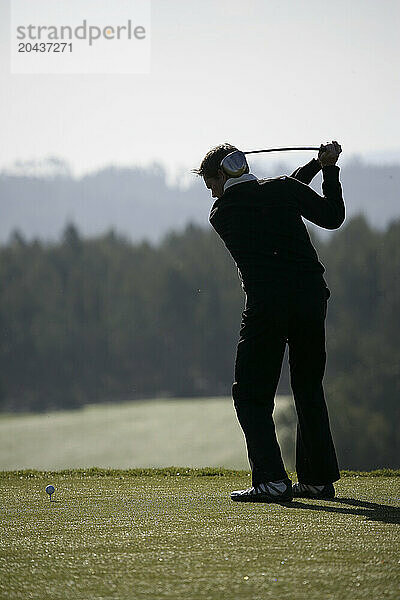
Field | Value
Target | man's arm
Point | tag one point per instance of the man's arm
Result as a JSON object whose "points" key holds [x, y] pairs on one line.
{"points": [[307, 173], [327, 211]]}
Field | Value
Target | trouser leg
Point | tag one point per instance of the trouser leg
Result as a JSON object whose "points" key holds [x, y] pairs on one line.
{"points": [[316, 461], [257, 368]]}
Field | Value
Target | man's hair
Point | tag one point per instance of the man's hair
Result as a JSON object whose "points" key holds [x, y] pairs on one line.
{"points": [[212, 160]]}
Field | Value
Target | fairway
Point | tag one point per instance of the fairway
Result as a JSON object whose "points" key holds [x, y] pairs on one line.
{"points": [[150, 433], [123, 535]]}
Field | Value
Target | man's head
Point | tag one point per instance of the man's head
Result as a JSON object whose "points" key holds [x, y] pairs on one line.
{"points": [[210, 169]]}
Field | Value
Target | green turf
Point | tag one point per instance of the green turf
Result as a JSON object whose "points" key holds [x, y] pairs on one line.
{"points": [[125, 535]]}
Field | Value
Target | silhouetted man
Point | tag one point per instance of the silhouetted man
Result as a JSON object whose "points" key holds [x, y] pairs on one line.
{"points": [[260, 222]]}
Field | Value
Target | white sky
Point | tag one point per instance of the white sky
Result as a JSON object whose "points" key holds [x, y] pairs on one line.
{"points": [[257, 73]]}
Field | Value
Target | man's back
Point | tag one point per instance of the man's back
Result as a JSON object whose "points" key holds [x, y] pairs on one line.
{"points": [[260, 222]]}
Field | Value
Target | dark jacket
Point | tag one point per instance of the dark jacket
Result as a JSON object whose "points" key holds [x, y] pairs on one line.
{"points": [[261, 224]]}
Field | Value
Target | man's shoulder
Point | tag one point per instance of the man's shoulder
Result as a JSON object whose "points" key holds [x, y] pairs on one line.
{"points": [[266, 180], [251, 189], [254, 185]]}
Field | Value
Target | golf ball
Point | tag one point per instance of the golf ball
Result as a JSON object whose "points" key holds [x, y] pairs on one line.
{"points": [[50, 489]]}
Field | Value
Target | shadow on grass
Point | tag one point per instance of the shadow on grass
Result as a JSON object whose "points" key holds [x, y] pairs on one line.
{"points": [[370, 510]]}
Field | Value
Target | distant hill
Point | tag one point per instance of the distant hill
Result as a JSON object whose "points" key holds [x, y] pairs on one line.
{"points": [[139, 204]]}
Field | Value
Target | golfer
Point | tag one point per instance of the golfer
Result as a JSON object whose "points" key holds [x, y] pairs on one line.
{"points": [[261, 224]]}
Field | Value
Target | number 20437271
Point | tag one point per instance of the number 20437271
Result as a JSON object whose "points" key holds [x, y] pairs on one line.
{"points": [[45, 47]]}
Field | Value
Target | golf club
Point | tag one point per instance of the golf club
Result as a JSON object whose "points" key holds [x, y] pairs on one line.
{"points": [[235, 163], [283, 149]]}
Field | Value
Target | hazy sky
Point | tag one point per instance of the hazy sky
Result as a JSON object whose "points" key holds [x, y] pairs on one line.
{"points": [[255, 73]]}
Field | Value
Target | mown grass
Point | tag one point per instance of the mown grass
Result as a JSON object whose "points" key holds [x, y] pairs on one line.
{"points": [[174, 533], [169, 472], [136, 434]]}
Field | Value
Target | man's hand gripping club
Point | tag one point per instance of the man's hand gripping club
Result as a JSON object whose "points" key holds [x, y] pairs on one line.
{"points": [[329, 153]]}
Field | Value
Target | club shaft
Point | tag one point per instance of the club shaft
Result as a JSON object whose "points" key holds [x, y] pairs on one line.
{"points": [[283, 149]]}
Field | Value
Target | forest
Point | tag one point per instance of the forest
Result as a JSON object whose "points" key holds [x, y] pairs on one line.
{"points": [[100, 319]]}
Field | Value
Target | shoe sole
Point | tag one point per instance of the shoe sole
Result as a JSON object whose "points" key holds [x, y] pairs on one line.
{"points": [[264, 500], [327, 494], [311, 497]]}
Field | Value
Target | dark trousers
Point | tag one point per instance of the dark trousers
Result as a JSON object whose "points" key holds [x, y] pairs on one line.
{"points": [[293, 314]]}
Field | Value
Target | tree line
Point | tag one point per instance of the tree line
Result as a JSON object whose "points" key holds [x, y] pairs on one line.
{"points": [[91, 320]]}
